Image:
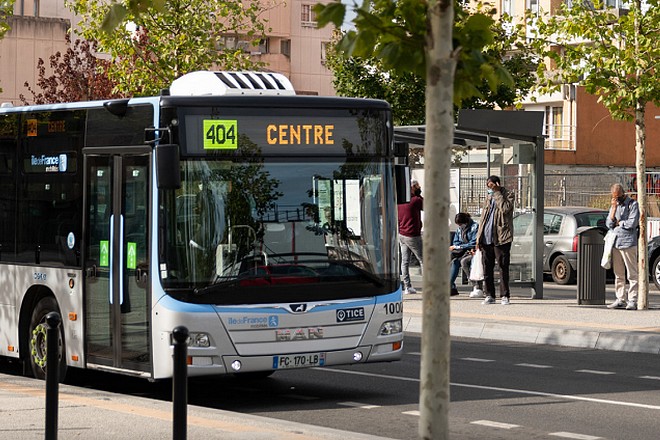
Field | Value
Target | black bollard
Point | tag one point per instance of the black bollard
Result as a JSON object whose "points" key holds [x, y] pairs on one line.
{"points": [[53, 321], [180, 383]]}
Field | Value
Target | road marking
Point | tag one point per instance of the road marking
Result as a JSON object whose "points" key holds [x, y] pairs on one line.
{"points": [[358, 405], [558, 396], [411, 413], [477, 360], [492, 424], [595, 372], [650, 377], [507, 390], [573, 435], [362, 373], [533, 365], [414, 353]]}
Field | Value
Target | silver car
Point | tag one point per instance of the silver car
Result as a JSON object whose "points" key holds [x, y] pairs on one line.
{"points": [[561, 226]]}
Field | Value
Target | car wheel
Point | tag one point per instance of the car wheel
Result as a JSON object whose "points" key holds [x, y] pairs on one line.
{"points": [[655, 272], [562, 272]]}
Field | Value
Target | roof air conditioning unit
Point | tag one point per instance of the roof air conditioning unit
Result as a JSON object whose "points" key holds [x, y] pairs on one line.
{"points": [[204, 83]]}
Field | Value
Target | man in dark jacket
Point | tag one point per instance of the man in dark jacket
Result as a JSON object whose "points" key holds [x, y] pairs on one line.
{"points": [[495, 236], [410, 233]]}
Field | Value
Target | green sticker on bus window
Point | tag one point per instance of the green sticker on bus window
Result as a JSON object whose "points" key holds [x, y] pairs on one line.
{"points": [[131, 255], [220, 134], [104, 253]]}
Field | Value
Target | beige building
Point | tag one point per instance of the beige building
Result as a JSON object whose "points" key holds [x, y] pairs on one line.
{"points": [[579, 130], [294, 46]]}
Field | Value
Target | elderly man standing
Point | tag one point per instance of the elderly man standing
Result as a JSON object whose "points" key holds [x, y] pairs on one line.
{"points": [[623, 219]]}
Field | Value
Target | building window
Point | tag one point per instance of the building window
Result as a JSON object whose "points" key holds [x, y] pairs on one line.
{"points": [[559, 136], [325, 48], [285, 47], [307, 15], [506, 7], [533, 6]]}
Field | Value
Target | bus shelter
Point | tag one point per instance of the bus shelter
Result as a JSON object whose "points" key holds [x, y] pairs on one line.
{"points": [[509, 144]]}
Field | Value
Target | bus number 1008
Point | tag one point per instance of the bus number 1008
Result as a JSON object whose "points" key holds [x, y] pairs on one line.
{"points": [[393, 308]]}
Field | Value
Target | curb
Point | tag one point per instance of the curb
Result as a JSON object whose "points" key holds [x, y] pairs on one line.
{"points": [[629, 341]]}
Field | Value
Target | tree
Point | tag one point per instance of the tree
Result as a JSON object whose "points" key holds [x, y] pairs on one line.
{"points": [[77, 75], [155, 46], [614, 54], [366, 78], [421, 37]]}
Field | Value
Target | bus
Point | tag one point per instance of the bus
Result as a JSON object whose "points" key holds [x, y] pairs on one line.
{"points": [[261, 220]]}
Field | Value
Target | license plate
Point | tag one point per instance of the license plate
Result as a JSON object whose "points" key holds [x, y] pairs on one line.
{"points": [[299, 361]]}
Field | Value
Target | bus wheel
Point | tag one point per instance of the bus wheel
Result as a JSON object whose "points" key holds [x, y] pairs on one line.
{"points": [[37, 339]]}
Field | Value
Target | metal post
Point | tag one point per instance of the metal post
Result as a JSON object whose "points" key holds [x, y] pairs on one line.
{"points": [[179, 383], [53, 321]]}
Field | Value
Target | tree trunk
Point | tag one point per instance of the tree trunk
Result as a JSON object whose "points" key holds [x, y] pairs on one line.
{"points": [[642, 244], [434, 374], [640, 163]]}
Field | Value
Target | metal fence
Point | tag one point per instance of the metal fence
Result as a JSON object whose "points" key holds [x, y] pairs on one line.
{"points": [[590, 189]]}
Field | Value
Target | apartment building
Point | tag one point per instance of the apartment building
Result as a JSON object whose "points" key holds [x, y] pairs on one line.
{"points": [[579, 130], [294, 46]]}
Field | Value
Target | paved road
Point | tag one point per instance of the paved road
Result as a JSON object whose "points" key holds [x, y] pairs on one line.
{"points": [[499, 390]]}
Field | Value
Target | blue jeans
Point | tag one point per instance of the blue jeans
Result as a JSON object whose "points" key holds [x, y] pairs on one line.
{"points": [[409, 245], [461, 263]]}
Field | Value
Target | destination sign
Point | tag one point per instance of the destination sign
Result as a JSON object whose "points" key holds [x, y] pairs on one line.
{"points": [[300, 134], [233, 132]]}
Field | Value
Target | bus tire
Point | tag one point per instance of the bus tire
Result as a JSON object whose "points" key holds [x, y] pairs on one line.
{"points": [[36, 339]]}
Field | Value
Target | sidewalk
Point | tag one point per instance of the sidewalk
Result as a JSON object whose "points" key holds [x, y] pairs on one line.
{"points": [[86, 413], [545, 321]]}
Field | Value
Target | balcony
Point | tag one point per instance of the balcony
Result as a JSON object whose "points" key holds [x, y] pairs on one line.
{"points": [[560, 137]]}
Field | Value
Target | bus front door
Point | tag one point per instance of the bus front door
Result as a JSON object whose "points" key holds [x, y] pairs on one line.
{"points": [[116, 287]]}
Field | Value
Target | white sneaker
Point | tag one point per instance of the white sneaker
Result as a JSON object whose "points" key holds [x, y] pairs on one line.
{"points": [[505, 301], [617, 304], [632, 305], [477, 293], [488, 300], [410, 291]]}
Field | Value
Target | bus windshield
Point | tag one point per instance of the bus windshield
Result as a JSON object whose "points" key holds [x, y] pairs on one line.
{"points": [[280, 231]]}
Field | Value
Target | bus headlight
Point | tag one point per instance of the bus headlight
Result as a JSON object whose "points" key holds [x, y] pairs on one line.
{"points": [[391, 327], [199, 340]]}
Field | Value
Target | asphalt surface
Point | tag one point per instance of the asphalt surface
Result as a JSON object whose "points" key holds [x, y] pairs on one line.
{"points": [[555, 320]]}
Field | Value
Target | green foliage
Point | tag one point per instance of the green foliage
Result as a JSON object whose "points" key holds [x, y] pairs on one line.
{"points": [[390, 36], [168, 39], [368, 78], [614, 56]]}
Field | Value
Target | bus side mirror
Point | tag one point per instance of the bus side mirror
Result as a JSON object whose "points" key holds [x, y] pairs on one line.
{"points": [[402, 176], [168, 173]]}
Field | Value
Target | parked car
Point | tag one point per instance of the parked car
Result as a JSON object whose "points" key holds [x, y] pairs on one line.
{"points": [[561, 226], [654, 260]]}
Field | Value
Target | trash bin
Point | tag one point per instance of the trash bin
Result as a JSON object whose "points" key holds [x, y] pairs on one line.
{"points": [[591, 275]]}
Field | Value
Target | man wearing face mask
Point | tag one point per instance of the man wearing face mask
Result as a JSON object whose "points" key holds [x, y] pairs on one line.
{"points": [[410, 233], [623, 219], [495, 236]]}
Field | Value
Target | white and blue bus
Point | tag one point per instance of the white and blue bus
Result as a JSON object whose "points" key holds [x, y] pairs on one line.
{"points": [[262, 221]]}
